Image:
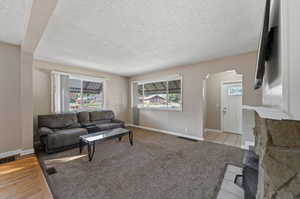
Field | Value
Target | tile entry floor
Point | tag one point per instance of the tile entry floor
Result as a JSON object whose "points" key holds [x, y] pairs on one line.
{"points": [[231, 139]]}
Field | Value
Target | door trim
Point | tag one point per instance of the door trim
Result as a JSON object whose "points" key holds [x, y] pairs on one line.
{"points": [[222, 105]]}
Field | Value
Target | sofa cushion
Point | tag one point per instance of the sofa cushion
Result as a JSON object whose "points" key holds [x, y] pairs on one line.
{"points": [[66, 137], [83, 117], [88, 124], [101, 115], [58, 121], [102, 121], [108, 126]]}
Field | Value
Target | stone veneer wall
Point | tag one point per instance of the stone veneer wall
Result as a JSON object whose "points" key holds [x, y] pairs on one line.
{"points": [[277, 142]]}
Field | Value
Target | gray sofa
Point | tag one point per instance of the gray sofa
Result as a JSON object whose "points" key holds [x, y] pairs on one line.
{"points": [[61, 131]]}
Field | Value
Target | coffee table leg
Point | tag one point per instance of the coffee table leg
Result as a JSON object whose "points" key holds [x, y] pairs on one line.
{"points": [[120, 138], [80, 146], [130, 138], [91, 150]]}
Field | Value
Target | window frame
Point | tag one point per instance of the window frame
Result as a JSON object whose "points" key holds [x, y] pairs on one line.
{"points": [[56, 94], [168, 79]]}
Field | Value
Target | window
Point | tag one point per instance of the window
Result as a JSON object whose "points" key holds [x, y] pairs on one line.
{"points": [[164, 94], [74, 87], [140, 95], [76, 93], [235, 91], [155, 95], [92, 95]]}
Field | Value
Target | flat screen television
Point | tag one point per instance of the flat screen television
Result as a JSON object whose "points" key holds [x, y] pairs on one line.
{"points": [[263, 48]]}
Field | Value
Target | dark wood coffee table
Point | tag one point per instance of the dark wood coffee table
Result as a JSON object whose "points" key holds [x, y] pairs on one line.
{"points": [[92, 138]]}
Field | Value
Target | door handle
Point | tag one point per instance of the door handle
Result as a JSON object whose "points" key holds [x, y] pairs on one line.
{"points": [[224, 110]]}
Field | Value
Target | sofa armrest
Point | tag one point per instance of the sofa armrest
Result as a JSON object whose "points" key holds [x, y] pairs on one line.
{"points": [[43, 131]]}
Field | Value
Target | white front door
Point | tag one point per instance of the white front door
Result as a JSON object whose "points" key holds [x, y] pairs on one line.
{"points": [[231, 108]]}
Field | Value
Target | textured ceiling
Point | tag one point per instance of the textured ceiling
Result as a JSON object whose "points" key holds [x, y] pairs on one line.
{"points": [[12, 19], [137, 36]]}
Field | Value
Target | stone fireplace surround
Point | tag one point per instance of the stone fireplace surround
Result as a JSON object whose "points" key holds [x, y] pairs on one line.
{"points": [[277, 142]]}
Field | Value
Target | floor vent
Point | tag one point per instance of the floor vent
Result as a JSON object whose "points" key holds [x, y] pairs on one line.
{"points": [[189, 139], [7, 159], [51, 171]]}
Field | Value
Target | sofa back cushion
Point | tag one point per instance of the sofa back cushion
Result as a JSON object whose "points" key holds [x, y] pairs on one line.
{"points": [[83, 117], [58, 121], [101, 115]]}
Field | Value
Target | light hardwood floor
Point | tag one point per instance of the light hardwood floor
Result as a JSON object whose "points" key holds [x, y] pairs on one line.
{"points": [[223, 138], [23, 179]]}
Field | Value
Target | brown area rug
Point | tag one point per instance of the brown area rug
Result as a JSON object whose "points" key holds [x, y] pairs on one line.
{"points": [[158, 166]]}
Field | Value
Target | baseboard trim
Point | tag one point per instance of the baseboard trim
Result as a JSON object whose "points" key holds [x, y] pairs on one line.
{"points": [[167, 132], [16, 152], [10, 153], [213, 130], [27, 152], [247, 145]]}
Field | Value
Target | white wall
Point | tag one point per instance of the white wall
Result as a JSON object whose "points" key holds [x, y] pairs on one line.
{"points": [[281, 83], [293, 59], [192, 116], [248, 124], [10, 107], [26, 100], [272, 88]]}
